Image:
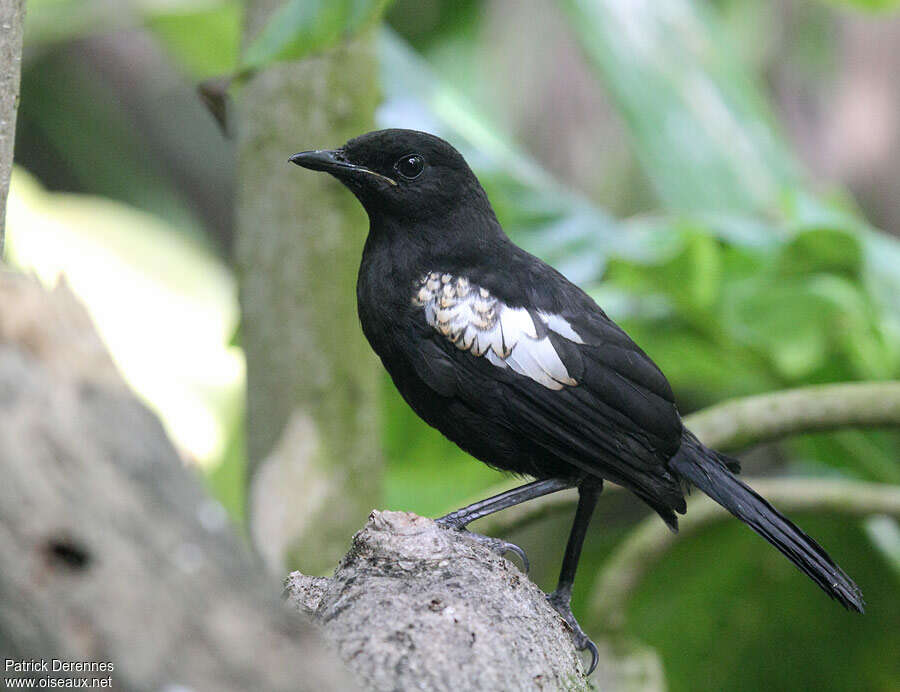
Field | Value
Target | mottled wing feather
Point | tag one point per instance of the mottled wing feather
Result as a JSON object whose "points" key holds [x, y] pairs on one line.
{"points": [[475, 321]]}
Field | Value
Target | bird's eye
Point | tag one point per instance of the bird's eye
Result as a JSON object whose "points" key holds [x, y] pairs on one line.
{"points": [[410, 166]]}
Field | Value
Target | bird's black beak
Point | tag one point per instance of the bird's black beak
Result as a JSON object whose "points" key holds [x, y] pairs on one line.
{"points": [[333, 161], [320, 160]]}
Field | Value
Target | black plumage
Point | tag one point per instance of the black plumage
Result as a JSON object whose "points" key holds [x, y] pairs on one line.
{"points": [[520, 367]]}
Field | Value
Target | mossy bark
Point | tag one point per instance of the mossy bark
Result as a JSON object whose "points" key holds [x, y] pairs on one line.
{"points": [[311, 378]]}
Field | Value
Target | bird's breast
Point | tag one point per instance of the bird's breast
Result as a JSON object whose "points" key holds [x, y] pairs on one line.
{"points": [[382, 293]]}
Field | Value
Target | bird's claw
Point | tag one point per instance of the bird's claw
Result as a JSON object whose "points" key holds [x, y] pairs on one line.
{"points": [[504, 547], [497, 545], [595, 655], [561, 605]]}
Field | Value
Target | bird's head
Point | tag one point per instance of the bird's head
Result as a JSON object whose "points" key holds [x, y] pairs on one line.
{"points": [[401, 175]]}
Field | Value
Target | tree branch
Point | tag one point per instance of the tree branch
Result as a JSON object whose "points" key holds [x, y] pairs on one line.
{"points": [[416, 606], [625, 568], [12, 24], [740, 423]]}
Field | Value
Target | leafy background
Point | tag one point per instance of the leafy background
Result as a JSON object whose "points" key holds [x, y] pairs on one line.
{"points": [[720, 175]]}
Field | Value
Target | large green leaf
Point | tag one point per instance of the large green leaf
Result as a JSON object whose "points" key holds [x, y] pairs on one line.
{"points": [[699, 126], [821, 250], [301, 27]]}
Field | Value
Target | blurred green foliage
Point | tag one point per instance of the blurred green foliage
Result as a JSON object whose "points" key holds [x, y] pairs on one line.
{"points": [[744, 278], [793, 312]]}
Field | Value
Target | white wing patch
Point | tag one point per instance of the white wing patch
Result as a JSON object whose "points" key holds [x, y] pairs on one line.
{"points": [[477, 322]]}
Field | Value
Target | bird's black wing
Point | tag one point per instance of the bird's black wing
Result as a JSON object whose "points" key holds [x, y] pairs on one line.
{"points": [[569, 381]]}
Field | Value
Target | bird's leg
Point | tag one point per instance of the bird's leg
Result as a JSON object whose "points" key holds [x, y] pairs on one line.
{"points": [[561, 598], [463, 517]]}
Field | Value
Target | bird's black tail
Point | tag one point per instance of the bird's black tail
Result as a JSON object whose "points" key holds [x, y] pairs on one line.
{"points": [[708, 470]]}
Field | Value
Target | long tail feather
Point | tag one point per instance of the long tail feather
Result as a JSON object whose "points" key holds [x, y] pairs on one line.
{"points": [[708, 470]]}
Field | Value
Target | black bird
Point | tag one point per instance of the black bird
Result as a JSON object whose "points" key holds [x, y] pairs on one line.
{"points": [[520, 367]]}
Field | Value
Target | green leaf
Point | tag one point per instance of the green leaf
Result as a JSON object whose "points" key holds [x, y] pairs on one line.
{"points": [[786, 321], [204, 42], [871, 455], [858, 331], [698, 122], [823, 250], [701, 370], [691, 278], [302, 27], [52, 21]]}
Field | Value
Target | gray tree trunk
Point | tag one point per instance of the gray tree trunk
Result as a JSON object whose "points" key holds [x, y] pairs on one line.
{"points": [[315, 468], [12, 21], [110, 550]]}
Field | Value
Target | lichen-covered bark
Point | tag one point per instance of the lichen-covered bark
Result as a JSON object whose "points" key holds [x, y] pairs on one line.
{"points": [[12, 20], [416, 606], [110, 550], [312, 423]]}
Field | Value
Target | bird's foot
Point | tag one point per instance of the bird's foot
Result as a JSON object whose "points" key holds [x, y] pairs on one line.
{"points": [[497, 545], [560, 603]]}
